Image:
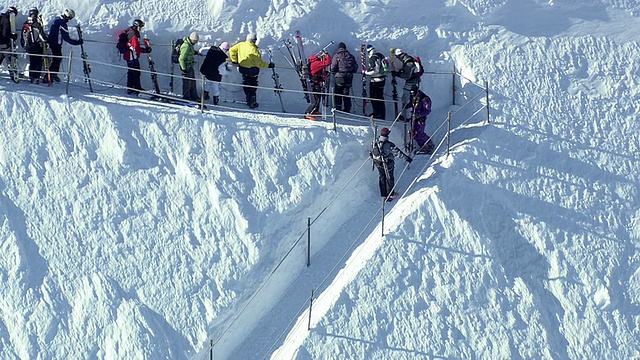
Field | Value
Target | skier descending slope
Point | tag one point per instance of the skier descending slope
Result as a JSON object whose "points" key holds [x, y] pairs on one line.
{"points": [[383, 154]]}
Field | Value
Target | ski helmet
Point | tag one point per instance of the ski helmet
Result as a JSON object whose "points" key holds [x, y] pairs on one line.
{"points": [[398, 52], [385, 131], [138, 23], [252, 37], [224, 46], [69, 14], [13, 10], [33, 11], [193, 37], [370, 49]]}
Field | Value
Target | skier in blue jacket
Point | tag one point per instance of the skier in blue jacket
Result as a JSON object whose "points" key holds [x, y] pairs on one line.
{"points": [[57, 33]]}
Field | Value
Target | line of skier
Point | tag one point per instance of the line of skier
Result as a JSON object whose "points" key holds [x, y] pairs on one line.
{"points": [[37, 41], [315, 76]]}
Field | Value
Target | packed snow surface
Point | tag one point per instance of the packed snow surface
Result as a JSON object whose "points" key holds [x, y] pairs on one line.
{"points": [[131, 229]]}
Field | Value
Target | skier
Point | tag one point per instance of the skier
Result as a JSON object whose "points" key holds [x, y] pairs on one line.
{"points": [[6, 32], [318, 76], [421, 109], [213, 67], [249, 61], [409, 73], [383, 154], [33, 41], [57, 33], [132, 57], [186, 60], [377, 79], [343, 66]]}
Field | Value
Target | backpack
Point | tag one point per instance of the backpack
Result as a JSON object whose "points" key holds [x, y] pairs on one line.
{"points": [[123, 41], [175, 51], [420, 69], [427, 104], [350, 64], [26, 40]]}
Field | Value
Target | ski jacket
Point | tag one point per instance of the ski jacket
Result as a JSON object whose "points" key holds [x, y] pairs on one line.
{"points": [[135, 47], [246, 55], [374, 70], [59, 32], [5, 29], [385, 151], [214, 64], [408, 67], [33, 36], [344, 64], [318, 65], [187, 53], [421, 108]]}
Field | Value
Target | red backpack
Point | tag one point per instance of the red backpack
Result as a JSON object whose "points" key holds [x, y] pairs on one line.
{"points": [[420, 69]]}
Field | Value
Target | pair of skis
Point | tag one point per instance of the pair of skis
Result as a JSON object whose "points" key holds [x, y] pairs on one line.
{"points": [[86, 68], [276, 80], [299, 62]]}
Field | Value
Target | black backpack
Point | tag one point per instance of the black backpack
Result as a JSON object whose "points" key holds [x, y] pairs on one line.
{"points": [[175, 51], [123, 41]]}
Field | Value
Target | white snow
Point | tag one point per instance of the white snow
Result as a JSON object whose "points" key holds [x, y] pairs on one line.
{"points": [[133, 230]]}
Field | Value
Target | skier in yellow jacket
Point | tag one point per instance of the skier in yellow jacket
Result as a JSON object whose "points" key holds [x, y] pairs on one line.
{"points": [[249, 61]]}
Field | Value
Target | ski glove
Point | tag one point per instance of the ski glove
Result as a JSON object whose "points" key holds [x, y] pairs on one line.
{"points": [[146, 50], [409, 160], [272, 65], [80, 41], [14, 37]]}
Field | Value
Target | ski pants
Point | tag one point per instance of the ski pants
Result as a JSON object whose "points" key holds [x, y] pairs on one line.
{"points": [[315, 107], [189, 91], [341, 89], [56, 52], [249, 90], [133, 75], [35, 64], [385, 184], [212, 87], [376, 90]]}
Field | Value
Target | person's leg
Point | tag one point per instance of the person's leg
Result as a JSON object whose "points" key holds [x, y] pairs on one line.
{"points": [[215, 92], [56, 59]]}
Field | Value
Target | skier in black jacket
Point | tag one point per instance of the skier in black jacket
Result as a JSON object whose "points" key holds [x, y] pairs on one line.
{"points": [[383, 154], [343, 66], [213, 68], [6, 32]]}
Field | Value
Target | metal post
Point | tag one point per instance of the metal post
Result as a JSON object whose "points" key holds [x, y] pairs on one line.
{"points": [[211, 351], [202, 95], [455, 88], [308, 242], [382, 227], [486, 90], [69, 70], [310, 306], [448, 132], [333, 110]]}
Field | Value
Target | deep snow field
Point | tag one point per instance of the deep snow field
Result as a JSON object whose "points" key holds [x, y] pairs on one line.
{"points": [[131, 229]]}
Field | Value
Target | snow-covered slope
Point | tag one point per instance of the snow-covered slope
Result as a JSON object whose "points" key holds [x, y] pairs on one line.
{"points": [[130, 230]]}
